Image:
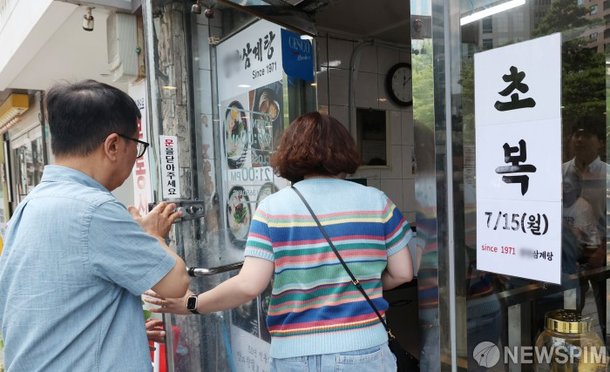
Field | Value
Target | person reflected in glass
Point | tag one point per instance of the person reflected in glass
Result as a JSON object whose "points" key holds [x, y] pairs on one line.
{"points": [[316, 317], [586, 171], [484, 310], [578, 216]]}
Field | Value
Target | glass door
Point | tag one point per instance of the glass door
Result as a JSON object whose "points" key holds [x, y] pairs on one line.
{"points": [[504, 313], [229, 77]]}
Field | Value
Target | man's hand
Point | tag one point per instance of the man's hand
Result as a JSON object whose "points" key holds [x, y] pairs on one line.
{"points": [[154, 330], [157, 222]]}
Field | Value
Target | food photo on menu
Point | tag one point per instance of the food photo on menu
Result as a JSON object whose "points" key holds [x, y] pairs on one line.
{"points": [[238, 214], [264, 299], [236, 134], [266, 103], [245, 316], [265, 190]]}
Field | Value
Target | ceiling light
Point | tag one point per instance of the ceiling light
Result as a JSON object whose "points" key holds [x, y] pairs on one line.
{"points": [[15, 105], [88, 21], [480, 14]]}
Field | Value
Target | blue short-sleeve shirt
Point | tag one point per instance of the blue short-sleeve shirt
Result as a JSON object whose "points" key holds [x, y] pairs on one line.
{"points": [[73, 267]]}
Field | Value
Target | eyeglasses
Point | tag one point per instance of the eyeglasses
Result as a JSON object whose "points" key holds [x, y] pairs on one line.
{"points": [[142, 146]]}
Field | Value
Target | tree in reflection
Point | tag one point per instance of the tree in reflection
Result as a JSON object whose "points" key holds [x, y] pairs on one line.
{"points": [[583, 73]]}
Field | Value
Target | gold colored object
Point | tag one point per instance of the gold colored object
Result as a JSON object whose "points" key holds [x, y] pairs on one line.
{"points": [[567, 321], [568, 344], [11, 109]]}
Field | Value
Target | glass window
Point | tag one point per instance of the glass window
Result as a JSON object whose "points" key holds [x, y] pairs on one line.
{"points": [[506, 310], [487, 25], [28, 162]]}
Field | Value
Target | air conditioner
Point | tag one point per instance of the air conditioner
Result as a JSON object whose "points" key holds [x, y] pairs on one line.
{"points": [[122, 46]]}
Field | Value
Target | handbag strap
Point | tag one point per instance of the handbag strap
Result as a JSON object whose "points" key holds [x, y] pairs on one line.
{"points": [[349, 272]]}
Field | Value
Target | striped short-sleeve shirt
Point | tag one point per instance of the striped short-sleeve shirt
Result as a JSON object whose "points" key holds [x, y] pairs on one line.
{"points": [[315, 308]]}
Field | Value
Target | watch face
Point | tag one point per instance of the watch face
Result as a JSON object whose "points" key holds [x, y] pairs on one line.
{"points": [[398, 84], [191, 303]]}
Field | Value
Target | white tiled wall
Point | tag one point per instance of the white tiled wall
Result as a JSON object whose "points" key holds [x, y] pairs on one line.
{"points": [[333, 60]]}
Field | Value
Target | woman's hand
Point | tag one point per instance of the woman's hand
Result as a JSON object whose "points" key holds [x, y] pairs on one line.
{"points": [[166, 305], [253, 278]]}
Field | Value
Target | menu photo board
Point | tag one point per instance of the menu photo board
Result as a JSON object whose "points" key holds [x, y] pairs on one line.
{"points": [[252, 104], [249, 138], [252, 116], [518, 159]]}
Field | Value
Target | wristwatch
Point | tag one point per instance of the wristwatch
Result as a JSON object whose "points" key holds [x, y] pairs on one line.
{"points": [[191, 304]]}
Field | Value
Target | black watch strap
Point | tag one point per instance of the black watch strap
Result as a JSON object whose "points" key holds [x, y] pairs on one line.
{"points": [[191, 304]]}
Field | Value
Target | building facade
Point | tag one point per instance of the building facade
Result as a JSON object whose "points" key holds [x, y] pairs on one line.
{"points": [[218, 81]]}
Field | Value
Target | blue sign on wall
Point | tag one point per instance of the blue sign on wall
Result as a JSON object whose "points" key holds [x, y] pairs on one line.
{"points": [[297, 56]]}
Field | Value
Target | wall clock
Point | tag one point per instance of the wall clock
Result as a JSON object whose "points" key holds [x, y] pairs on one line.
{"points": [[398, 84]]}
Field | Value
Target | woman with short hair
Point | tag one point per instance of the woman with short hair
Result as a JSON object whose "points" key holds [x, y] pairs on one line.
{"points": [[317, 318]]}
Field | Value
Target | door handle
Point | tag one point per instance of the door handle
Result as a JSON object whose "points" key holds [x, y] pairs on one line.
{"points": [[202, 271], [191, 209]]}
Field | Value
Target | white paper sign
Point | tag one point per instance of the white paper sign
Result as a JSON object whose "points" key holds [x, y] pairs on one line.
{"points": [[518, 159], [250, 353], [542, 76], [142, 192], [168, 146]]}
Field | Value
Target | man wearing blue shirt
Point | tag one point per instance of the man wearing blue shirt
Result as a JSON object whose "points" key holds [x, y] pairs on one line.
{"points": [[75, 261]]}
